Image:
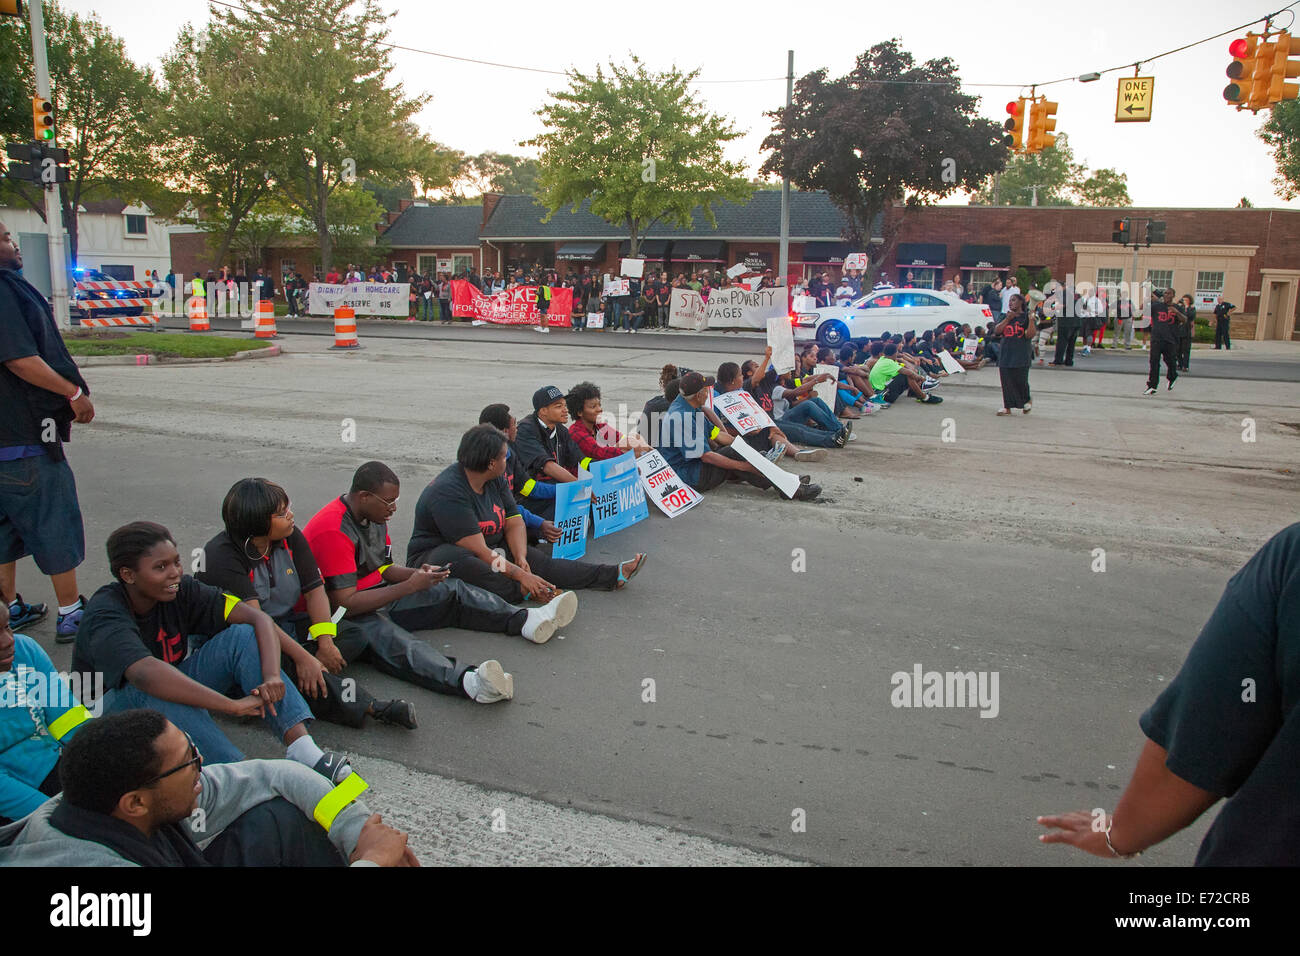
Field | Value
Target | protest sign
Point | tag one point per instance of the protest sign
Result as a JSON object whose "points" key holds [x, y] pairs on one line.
{"points": [[572, 514], [617, 498], [739, 269], [617, 287], [780, 335], [595, 320], [826, 390], [803, 303], [665, 488], [785, 481], [726, 309], [856, 260], [968, 348], [742, 410], [518, 306], [364, 298], [950, 364], [632, 267]]}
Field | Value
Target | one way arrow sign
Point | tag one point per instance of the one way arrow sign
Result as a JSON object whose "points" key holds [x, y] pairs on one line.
{"points": [[1133, 99]]}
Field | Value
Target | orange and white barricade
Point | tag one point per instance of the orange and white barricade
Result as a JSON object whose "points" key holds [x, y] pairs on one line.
{"points": [[197, 308], [345, 329], [264, 320], [91, 306]]}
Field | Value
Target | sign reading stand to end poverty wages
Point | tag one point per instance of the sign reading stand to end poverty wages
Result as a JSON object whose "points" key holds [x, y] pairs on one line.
{"points": [[617, 498], [572, 515], [664, 486], [742, 411]]}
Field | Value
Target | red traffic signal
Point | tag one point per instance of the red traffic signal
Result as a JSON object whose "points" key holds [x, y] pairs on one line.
{"points": [[1015, 126]]}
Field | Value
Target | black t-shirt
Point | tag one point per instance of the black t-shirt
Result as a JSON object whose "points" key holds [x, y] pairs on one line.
{"points": [[111, 637], [762, 389], [449, 509], [1017, 350], [1162, 320], [276, 582], [1221, 740]]}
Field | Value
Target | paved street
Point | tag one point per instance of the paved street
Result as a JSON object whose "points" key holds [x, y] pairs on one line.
{"points": [[772, 686]]}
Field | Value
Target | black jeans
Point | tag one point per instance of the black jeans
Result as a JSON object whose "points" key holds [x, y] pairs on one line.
{"points": [[1015, 386], [274, 833], [471, 570], [1185, 352], [1163, 347], [1221, 337], [711, 475], [1065, 336]]}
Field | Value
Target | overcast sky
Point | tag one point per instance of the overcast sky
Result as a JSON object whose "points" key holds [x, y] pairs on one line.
{"points": [[1196, 151]]}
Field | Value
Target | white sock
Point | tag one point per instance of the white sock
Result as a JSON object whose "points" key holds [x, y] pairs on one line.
{"points": [[471, 682], [304, 750], [74, 606]]}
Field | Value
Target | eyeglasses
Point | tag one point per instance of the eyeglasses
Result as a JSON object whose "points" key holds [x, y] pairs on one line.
{"points": [[285, 511], [195, 758], [391, 504]]}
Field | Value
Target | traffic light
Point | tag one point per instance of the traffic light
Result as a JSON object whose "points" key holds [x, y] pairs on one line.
{"points": [[36, 162], [1120, 231], [1241, 70], [11, 8], [1156, 231], [1041, 123], [42, 118], [1015, 125], [1284, 68]]}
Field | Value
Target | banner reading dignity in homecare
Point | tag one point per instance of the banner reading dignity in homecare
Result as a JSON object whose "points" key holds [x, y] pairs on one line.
{"points": [[726, 309], [516, 307], [364, 298], [617, 498], [572, 515]]}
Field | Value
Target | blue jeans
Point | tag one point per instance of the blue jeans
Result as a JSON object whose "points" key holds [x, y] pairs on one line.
{"points": [[425, 310], [810, 412], [628, 322], [228, 661]]}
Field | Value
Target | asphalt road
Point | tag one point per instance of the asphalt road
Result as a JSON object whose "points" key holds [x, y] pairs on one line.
{"points": [[772, 684]]}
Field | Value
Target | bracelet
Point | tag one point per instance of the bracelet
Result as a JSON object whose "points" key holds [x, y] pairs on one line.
{"points": [[1110, 846], [75, 395]]}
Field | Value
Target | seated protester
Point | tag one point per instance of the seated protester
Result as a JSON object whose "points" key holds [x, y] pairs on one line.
{"points": [[853, 373], [655, 407], [36, 723], [770, 438], [136, 792], [950, 344], [349, 539], [596, 440], [136, 632], [926, 363], [468, 510], [265, 561], [894, 380], [798, 412], [846, 395], [688, 445], [546, 451], [635, 317], [539, 529], [805, 368]]}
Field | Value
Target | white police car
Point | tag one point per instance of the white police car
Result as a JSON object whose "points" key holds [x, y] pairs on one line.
{"points": [[888, 310]]}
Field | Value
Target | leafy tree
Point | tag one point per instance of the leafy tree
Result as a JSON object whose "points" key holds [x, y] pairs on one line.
{"points": [[351, 218], [502, 173], [1282, 133], [639, 145], [888, 130], [1054, 172], [1104, 187], [267, 224], [1245, 204]]}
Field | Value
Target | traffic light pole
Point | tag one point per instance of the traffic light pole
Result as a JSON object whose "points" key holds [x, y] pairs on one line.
{"points": [[53, 209], [783, 277]]}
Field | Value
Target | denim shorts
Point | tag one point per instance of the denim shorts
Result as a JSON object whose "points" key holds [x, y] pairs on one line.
{"points": [[39, 514]]}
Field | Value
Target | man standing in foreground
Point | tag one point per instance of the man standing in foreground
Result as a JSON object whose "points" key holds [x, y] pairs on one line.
{"points": [[42, 394]]}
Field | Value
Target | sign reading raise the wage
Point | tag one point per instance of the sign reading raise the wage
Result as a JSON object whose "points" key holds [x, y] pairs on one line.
{"points": [[742, 410], [665, 488], [726, 308], [617, 498], [364, 298], [572, 516]]}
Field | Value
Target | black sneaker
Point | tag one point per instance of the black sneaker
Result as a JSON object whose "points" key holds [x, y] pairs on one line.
{"points": [[400, 712], [1171, 387], [805, 479], [807, 492], [21, 614], [333, 766]]}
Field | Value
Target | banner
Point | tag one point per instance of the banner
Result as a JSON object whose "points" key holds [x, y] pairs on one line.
{"points": [[617, 498], [518, 306], [364, 298], [742, 410], [787, 482], [572, 515], [726, 308], [780, 335], [665, 488]]}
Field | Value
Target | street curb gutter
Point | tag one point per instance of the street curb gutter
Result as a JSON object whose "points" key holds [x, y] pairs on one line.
{"points": [[90, 361]]}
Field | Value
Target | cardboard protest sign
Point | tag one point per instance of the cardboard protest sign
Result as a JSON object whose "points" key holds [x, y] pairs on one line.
{"points": [[664, 487], [595, 320], [826, 390], [739, 269], [785, 481], [968, 348], [950, 364], [856, 260], [364, 298], [572, 515], [632, 267], [617, 498], [617, 287], [740, 408], [780, 335]]}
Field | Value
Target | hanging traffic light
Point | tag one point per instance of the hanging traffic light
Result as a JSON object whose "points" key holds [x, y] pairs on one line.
{"points": [[1241, 70], [1156, 231], [1119, 231], [1284, 68], [42, 118], [1015, 125], [1041, 123]]}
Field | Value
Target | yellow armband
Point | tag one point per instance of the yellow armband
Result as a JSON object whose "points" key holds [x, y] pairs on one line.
{"points": [[324, 629], [231, 601], [68, 722], [713, 435], [383, 568], [332, 804], [528, 487], [585, 464]]}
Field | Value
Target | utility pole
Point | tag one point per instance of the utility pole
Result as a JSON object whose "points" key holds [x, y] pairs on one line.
{"points": [[784, 258], [53, 209]]}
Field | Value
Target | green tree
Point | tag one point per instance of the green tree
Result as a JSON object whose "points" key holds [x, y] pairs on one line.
{"points": [[1282, 132], [267, 224], [502, 173], [1053, 171], [351, 218], [640, 146], [1104, 187], [888, 130]]}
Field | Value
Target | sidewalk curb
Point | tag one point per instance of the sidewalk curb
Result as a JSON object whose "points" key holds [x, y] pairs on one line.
{"points": [[90, 361]]}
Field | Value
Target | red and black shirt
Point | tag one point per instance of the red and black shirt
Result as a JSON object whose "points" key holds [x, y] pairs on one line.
{"points": [[350, 551]]}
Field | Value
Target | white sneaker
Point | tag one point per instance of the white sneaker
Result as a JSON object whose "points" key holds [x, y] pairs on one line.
{"points": [[544, 621], [489, 683], [1149, 391]]}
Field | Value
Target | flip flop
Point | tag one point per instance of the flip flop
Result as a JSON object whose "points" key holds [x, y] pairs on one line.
{"points": [[622, 580]]}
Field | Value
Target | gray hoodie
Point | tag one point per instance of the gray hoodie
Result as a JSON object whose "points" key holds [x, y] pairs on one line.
{"points": [[229, 789]]}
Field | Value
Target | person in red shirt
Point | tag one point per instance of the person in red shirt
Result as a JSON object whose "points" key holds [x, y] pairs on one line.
{"points": [[594, 438]]}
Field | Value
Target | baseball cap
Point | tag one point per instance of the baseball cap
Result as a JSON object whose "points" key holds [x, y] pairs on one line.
{"points": [[545, 396], [692, 382]]}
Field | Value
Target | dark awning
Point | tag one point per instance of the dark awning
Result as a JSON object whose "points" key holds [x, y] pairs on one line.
{"points": [[826, 251], [986, 257], [698, 250], [650, 248], [931, 255], [588, 251]]}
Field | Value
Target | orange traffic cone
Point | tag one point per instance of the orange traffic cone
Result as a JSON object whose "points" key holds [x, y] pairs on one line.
{"points": [[264, 320], [345, 329], [198, 312]]}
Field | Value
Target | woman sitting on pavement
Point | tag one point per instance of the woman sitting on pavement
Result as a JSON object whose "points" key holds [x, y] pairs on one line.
{"points": [[468, 511], [596, 439]]}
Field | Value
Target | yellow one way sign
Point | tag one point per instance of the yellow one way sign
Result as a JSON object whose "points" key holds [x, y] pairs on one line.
{"points": [[1133, 99]]}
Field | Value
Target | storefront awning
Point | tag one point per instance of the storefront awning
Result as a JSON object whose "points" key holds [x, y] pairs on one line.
{"points": [[698, 250], [585, 251], [926, 255], [986, 257], [650, 248], [827, 252]]}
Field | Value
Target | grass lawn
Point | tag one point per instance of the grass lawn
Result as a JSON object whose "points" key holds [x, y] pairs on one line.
{"points": [[169, 344]]}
